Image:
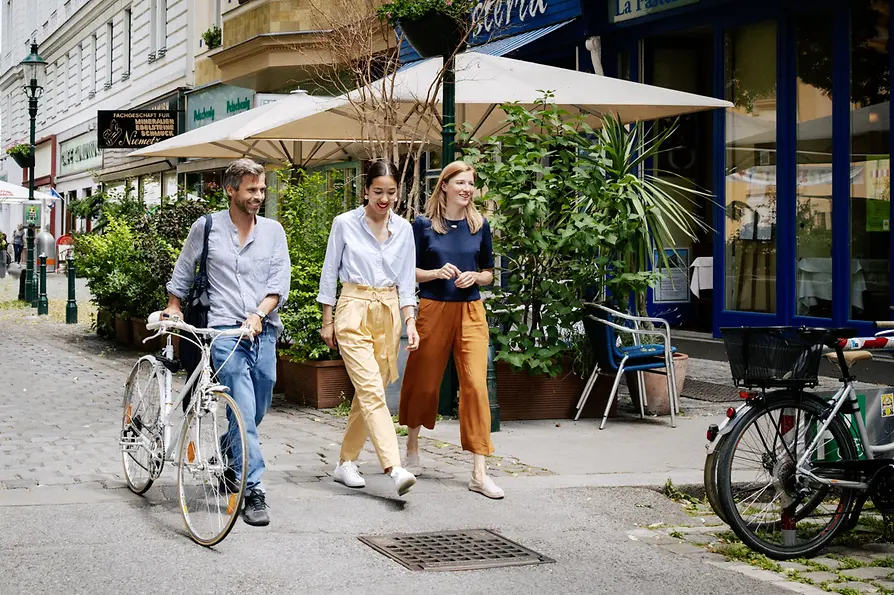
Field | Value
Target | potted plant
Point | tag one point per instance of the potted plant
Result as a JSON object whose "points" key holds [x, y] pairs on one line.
{"points": [[432, 27], [212, 37], [22, 155], [310, 373], [565, 219]]}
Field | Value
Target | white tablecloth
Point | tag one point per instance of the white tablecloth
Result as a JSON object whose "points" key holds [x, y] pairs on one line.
{"points": [[703, 275]]}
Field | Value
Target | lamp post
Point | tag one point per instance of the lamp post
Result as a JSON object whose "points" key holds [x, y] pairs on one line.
{"points": [[34, 66]]}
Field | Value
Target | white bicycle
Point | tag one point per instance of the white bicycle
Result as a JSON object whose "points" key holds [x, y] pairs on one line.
{"points": [[212, 451]]}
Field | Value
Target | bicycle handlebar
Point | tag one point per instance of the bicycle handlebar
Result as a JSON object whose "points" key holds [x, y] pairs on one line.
{"points": [[156, 322]]}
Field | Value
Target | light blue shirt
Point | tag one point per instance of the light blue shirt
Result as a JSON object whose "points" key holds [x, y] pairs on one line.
{"points": [[239, 277], [354, 255]]}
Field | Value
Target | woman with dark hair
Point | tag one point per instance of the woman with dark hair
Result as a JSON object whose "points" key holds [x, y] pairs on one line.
{"points": [[371, 252], [454, 257]]}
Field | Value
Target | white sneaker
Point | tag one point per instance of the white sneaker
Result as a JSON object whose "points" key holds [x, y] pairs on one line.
{"points": [[486, 487], [403, 480], [348, 474]]}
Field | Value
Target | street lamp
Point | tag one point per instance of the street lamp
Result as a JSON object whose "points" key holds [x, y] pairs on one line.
{"points": [[34, 66]]}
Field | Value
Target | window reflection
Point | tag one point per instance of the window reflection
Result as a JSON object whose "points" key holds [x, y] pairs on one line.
{"points": [[870, 202], [751, 168], [813, 183]]}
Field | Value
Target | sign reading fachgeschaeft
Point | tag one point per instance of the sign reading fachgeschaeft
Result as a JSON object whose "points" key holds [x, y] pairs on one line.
{"points": [[134, 129]]}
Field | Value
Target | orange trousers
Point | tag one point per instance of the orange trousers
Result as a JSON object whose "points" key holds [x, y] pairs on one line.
{"points": [[445, 327]]}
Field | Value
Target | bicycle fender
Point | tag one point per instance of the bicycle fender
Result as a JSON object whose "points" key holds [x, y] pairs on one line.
{"points": [[727, 425], [219, 388], [146, 358]]}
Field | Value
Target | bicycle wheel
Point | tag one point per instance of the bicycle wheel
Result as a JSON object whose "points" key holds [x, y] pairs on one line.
{"points": [[769, 508], [710, 480], [142, 451], [213, 441]]}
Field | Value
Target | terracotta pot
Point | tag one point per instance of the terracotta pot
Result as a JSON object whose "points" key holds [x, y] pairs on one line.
{"points": [[123, 331], [105, 324], [657, 399], [525, 396], [140, 332], [321, 385]]}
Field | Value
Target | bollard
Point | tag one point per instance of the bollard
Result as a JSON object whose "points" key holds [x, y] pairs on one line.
{"points": [[71, 308], [492, 389], [43, 306], [30, 289]]}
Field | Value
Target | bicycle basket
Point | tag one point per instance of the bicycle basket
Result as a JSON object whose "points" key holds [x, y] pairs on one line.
{"points": [[774, 356]]}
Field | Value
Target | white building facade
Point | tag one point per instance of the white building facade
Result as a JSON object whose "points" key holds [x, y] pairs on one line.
{"points": [[101, 55]]}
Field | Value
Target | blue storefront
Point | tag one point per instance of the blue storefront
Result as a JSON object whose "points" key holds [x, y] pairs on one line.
{"points": [[800, 167]]}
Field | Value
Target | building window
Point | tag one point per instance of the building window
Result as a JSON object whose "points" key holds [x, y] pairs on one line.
{"points": [[158, 24], [128, 38], [110, 46], [813, 182], [751, 168], [7, 25], [94, 68], [870, 144]]}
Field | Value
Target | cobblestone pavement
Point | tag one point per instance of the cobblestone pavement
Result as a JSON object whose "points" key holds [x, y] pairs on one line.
{"points": [[60, 415], [859, 562]]}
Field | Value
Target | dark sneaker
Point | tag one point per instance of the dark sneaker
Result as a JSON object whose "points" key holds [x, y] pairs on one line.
{"points": [[255, 511], [228, 483]]}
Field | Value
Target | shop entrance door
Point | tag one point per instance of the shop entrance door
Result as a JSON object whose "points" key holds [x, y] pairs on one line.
{"points": [[684, 61]]}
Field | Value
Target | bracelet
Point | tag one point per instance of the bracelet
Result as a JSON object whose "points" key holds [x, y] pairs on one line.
{"points": [[325, 324], [408, 319]]}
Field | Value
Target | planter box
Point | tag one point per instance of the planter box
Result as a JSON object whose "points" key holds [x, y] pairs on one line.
{"points": [[123, 331], [321, 385], [140, 332], [434, 34], [23, 161], [105, 324], [525, 396]]}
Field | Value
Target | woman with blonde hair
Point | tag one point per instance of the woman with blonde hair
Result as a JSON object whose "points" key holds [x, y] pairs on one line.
{"points": [[454, 257]]}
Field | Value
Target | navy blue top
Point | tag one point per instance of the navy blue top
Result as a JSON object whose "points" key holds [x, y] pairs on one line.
{"points": [[461, 248]]}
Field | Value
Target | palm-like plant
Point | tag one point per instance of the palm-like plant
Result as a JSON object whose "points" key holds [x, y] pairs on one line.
{"points": [[644, 213]]}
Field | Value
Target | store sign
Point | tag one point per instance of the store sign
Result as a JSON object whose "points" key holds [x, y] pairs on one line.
{"points": [[496, 15], [32, 213], [134, 129], [79, 154], [627, 10], [216, 103]]}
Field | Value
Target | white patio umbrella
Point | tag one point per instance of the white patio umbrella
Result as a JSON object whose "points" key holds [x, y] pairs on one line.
{"points": [[229, 138], [13, 193], [483, 83]]}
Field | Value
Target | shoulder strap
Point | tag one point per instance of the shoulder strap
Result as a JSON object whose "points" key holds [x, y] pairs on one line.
{"points": [[204, 260]]}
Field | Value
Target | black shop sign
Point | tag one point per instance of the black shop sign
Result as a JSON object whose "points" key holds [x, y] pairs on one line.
{"points": [[134, 129]]}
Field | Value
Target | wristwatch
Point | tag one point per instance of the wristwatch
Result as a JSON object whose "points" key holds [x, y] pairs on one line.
{"points": [[261, 314]]}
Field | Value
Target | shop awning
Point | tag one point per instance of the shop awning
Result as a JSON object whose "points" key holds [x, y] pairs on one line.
{"points": [[13, 193], [507, 45]]}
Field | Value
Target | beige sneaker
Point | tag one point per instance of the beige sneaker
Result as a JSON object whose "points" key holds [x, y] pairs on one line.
{"points": [[403, 480], [414, 465], [486, 487]]}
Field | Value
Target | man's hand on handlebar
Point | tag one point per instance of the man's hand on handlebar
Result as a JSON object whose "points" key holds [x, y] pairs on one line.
{"points": [[172, 313]]}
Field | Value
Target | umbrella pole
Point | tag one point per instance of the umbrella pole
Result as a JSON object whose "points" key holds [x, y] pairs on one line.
{"points": [[449, 383]]}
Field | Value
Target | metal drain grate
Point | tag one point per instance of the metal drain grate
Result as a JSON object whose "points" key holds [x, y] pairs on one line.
{"points": [[473, 549], [709, 391]]}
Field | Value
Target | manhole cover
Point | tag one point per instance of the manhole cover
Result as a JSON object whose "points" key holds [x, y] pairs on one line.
{"points": [[473, 549], [709, 391]]}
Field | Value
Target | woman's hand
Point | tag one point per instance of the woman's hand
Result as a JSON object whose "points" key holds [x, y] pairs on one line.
{"points": [[467, 279], [448, 271], [328, 335], [412, 335]]}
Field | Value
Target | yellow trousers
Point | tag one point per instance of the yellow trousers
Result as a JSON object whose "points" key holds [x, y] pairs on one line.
{"points": [[368, 329], [444, 328]]}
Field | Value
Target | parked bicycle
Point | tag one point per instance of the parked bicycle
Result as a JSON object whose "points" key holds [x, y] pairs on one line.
{"points": [[788, 469], [211, 450]]}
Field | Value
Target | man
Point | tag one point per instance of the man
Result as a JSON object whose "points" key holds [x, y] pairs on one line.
{"points": [[249, 274]]}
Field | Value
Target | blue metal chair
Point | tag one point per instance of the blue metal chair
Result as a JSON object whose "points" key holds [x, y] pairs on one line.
{"points": [[601, 328]]}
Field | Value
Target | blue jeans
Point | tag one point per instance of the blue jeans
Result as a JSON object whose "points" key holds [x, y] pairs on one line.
{"points": [[250, 373]]}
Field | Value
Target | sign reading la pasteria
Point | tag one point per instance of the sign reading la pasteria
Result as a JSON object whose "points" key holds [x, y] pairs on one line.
{"points": [[134, 129]]}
